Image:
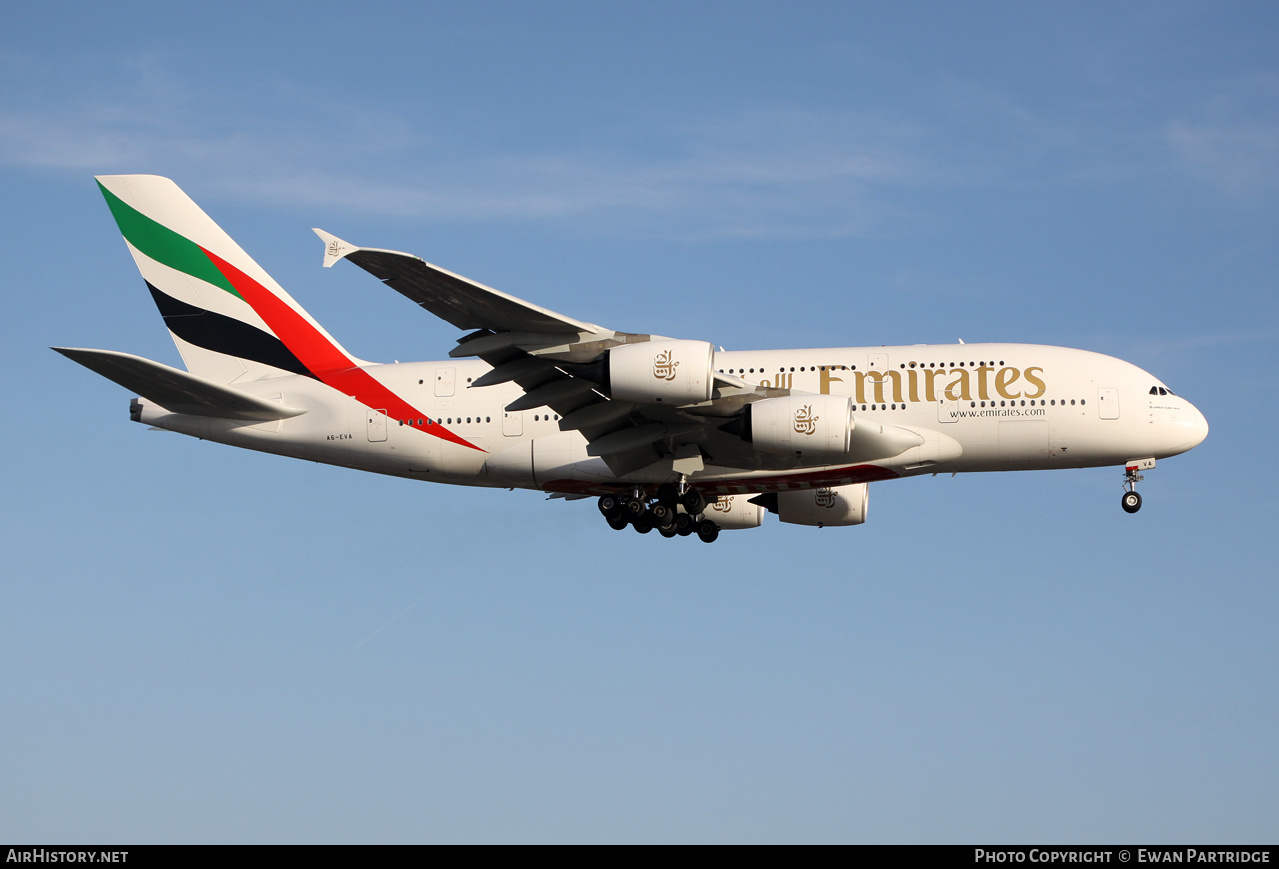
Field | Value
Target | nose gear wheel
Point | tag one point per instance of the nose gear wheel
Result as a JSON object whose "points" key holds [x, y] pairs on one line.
{"points": [[1131, 501]]}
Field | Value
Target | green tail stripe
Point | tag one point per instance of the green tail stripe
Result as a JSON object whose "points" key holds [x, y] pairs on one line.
{"points": [[163, 244]]}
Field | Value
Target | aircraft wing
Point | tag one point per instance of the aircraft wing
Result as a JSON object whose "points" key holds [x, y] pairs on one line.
{"points": [[562, 363], [453, 298]]}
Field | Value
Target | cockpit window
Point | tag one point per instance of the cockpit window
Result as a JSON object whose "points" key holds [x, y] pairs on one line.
{"points": [[1161, 390], [1154, 390]]}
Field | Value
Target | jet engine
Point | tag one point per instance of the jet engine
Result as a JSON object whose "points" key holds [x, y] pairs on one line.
{"points": [[814, 425], [731, 512], [837, 505], [662, 372]]}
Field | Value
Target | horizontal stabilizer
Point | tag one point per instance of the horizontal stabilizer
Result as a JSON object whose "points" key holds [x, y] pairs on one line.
{"points": [[177, 390]]}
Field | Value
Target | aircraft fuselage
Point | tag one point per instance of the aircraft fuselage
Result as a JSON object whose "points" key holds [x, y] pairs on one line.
{"points": [[979, 407]]}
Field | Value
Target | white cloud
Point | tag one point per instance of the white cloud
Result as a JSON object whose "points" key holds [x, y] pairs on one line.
{"points": [[1239, 158], [755, 173], [736, 185], [1232, 140]]}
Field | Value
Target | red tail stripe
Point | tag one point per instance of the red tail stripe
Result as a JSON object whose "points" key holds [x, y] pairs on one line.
{"points": [[333, 367]]}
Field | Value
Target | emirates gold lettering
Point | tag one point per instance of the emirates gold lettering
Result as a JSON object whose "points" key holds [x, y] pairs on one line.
{"points": [[827, 378], [1004, 379], [824, 497], [956, 384], [1030, 378], [957, 389], [982, 371], [664, 366], [931, 374], [878, 378], [806, 420]]}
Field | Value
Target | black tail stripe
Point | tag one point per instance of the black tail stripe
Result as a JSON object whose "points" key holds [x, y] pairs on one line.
{"points": [[223, 334]]}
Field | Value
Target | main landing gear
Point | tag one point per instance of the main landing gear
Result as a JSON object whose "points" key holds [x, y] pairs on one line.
{"points": [[1131, 501], [673, 513]]}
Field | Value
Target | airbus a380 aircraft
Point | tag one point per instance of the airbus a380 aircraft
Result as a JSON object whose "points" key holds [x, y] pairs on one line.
{"points": [[672, 435]]}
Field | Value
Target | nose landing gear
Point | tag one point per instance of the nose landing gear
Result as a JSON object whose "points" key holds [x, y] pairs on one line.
{"points": [[1131, 501]]}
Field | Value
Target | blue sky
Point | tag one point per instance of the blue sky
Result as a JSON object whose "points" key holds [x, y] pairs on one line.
{"points": [[206, 645]]}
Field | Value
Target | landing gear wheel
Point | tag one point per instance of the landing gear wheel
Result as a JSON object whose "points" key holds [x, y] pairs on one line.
{"points": [[633, 509], [707, 531], [668, 495], [617, 523], [610, 506], [667, 530], [685, 525], [693, 502], [643, 524], [1132, 501], [663, 516]]}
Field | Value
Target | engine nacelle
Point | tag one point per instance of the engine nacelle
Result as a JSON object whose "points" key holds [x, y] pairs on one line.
{"points": [[662, 372], [837, 505], [814, 425], [732, 512]]}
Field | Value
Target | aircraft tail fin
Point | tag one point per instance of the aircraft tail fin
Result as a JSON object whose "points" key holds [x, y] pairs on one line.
{"points": [[229, 319]]}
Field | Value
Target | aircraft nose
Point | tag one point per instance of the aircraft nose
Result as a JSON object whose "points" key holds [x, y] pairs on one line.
{"points": [[1196, 426], [1185, 429], [1179, 428]]}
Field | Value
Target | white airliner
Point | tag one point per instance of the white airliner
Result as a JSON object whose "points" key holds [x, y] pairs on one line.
{"points": [[669, 434]]}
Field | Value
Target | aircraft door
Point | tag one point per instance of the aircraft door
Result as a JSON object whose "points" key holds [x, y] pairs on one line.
{"points": [[376, 424], [512, 423], [444, 378], [1108, 403]]}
